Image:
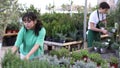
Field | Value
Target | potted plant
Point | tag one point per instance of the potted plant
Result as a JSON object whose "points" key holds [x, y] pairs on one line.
{"points": [[9, 28], [91, 65], [103, 47], [96, 45], [62, 38], [60, 53], [73, 35], [15, 27], [105, 64], [53, 52], [84, 53], [12, 28], [115, 46], [80, 64], [113, 62], [99, 61], [94, 56], [76, 55]]}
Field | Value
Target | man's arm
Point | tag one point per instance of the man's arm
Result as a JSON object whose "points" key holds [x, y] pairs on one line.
{"points": [[92, 27]]}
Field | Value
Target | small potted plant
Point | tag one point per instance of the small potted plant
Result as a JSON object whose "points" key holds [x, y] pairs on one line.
{"points": [[84, 53], [9, 28], [53, 52], [94, 56], [91, 65], [115, 46], [113, 62], [99, 61], [76, 55], [63, 52], [96, 46], [62, 37], [80, 64], [15, 27], [103, 47]]}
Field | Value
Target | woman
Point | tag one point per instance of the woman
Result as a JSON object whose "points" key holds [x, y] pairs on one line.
{"points": [[30, 38], [97, 17]]}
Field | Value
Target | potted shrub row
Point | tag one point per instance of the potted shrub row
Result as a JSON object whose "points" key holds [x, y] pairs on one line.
{"points": [[100, 47], [113, 62]]}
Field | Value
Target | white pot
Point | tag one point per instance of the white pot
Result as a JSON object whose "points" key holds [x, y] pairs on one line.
{"points": [[113, 30], [103, 50], [96, 49]]}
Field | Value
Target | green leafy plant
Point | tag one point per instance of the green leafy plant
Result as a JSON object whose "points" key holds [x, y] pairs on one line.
{"points": [[105, 64], [10, 60], [63, 52], [99, 61], [75, 35], [80, 64], [84, 53], [61, 37], [65, 62], [101, 46], [72, 61], [91, 65], [115, 46], [53, 52], [94, 56], [76, 56], [113, 60], [104, 44], [62, 23], [96, 44]]}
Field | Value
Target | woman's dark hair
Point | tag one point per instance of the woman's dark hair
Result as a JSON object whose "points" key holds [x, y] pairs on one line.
{"points": [[104, 5], [32, 16]]}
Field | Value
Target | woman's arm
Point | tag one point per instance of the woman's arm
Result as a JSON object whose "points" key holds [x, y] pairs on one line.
{"points": [[33, 50], [14, 49], [39, 43]]}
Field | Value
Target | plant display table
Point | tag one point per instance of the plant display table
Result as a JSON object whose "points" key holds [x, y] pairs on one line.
{"points": [[66, 45], [10, 34], [105, 36]]}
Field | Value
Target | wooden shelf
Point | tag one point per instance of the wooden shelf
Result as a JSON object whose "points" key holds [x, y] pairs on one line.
{"points": [[66, 45], [10, 34], [104, 36], [62, 44]]}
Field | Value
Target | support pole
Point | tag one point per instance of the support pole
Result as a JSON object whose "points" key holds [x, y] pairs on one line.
{"points": [[85, 20]]}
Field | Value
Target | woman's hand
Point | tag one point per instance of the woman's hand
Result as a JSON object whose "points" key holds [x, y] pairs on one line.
{"points": [[14, 49], [32, 51], [27, 57]]}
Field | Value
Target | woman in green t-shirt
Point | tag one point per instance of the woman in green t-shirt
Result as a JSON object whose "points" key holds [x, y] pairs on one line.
{"points": [[30, 38]]}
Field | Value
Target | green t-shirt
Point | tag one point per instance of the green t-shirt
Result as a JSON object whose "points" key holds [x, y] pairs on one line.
{"points": [[27, 39]]}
